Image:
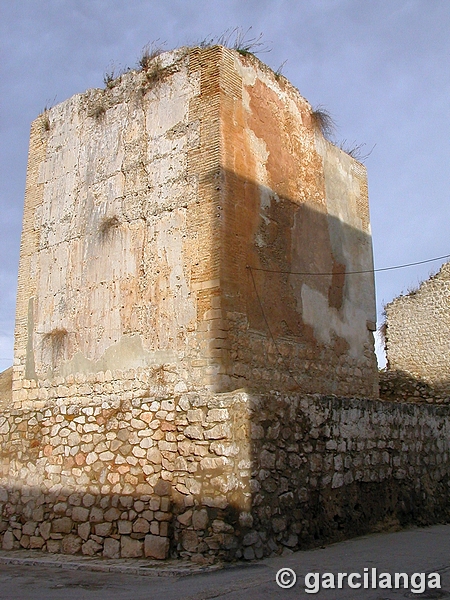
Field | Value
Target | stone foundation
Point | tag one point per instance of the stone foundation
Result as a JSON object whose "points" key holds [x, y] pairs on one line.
{"points": [[173, 472]]}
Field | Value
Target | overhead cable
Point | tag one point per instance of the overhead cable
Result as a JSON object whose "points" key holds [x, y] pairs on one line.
{"points": [[420, 262]]}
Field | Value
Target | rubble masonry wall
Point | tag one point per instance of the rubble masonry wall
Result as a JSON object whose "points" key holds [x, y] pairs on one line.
{"points": [[418, 341], [156, 470]]}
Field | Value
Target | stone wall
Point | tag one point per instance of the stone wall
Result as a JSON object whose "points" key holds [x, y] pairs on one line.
{"points": [[398, 385], [146, 204], [120, 465], [418, 340]]}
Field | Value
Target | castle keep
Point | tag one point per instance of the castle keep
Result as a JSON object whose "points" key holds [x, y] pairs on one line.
{"points": [[194, 373], [146, 204]]}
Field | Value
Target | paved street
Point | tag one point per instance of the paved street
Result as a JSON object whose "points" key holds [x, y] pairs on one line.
{"points": [[411, 551]]}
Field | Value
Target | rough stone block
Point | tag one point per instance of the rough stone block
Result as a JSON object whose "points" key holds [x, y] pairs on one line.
{"points": [[189, 540], [29, 528], [124, 527], [200, 519], [80, 514], [44, 530], [53, 546], [71, 544], [8, 541], [111, 548], [156, 547], [90, 548], [103, 529], [162, 488], [141, 526], [112, 514], [62, 525], [84, 530], [130, 548]]}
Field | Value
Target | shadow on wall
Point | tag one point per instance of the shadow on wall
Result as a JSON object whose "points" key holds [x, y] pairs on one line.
{"points": [[300, 311], [400, 386], [301, 318]]}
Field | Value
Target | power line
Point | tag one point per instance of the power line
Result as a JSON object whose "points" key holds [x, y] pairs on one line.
{"points": [[272, 337], [420, 262]]}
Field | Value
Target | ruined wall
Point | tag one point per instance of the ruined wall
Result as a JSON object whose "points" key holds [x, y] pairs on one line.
{"points": [[209, 476], [418, 340], [145, 204]]}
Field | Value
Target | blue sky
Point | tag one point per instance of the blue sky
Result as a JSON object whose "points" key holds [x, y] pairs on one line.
{"points": [[381, 67]]}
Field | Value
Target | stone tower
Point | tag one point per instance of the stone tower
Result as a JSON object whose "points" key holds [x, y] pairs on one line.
{"points": [[196, 260], [191, 217]]}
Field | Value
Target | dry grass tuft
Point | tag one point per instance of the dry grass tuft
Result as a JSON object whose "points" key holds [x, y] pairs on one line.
{"points": [[151, 65], [109, 79], [356, 150], [112, 76], [279, 71], [323, 121], [107, 225], [155, 73], [149, 52], [57, 338], [44, 120], [237, 39]]}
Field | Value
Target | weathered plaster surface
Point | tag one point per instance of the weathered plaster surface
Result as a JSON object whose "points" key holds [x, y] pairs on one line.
{"points": [[293, 203], [111, 267]]}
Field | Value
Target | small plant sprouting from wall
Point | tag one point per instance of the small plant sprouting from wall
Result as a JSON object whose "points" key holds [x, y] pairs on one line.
{"points": [[108, 225], [112, 76], [237, 39], [56, 338], [244, 44], [149, 53], [279, 71], [356, 150], [154, 73], [98, 111], [323, 121], [44, 120], [412, 289], [151, 65], [109, 79]]}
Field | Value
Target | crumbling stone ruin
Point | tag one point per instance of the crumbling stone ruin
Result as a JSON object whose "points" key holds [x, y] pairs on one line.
{"points": [[417, 341], [194, 373]]}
